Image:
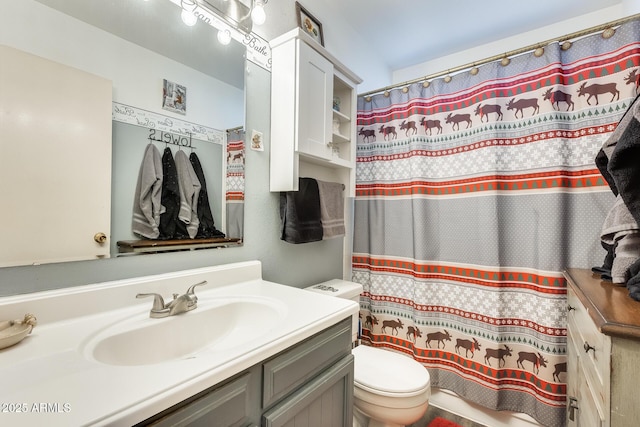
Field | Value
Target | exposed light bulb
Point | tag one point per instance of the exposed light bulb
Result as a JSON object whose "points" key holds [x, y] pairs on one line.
{"points": [[188, 18], [258, 16], [224, 37]]}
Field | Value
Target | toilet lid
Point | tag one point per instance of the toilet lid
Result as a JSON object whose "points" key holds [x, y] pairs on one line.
{"points": [[388, 372]]}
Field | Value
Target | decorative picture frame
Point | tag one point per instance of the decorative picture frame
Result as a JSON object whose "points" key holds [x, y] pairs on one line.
{"points": [[309, 24], [174, 97]]}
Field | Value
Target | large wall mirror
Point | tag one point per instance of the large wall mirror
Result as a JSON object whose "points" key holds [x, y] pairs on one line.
{"points": [[173, 86]]}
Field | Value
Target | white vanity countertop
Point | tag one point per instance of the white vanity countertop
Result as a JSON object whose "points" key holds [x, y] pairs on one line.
{"points": [[51, 379]]}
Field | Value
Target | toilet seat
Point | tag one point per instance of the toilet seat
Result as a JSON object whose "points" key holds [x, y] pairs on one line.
{"points": [[407, 378]]}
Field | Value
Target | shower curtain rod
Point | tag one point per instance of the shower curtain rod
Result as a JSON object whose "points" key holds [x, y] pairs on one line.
{"points": [[531, 47]]}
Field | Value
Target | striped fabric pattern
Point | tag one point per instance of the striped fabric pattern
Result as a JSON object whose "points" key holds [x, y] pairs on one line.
{"points": [[472, 197]]}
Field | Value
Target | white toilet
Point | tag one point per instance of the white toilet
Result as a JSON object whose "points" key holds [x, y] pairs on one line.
{"points": [[390, 389]]}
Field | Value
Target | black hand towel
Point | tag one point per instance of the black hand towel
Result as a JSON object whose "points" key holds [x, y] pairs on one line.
{"points": [[300, 213]]}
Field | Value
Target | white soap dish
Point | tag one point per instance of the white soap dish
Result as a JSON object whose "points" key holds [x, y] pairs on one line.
{"points": [[14, 331]]}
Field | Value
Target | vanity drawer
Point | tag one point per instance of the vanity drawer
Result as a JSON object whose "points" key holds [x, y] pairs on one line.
{"points": [[592, 346], [289, 370], [227, 405], [590, 411], [319, 403]]}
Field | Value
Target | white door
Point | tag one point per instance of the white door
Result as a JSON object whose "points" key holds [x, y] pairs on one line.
{"points": [[315, 96], [55, 161]]}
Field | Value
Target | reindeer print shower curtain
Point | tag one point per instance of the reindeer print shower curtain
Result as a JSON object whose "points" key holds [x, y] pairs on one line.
{"points": [[472, 197]]}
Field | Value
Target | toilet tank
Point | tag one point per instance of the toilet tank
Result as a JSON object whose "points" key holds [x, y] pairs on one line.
{"points": [[341, 289]]}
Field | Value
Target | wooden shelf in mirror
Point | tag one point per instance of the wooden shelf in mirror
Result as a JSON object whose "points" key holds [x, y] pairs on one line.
{"points": [[155, 246]]}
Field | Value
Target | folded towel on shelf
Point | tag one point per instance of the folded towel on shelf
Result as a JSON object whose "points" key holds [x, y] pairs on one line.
{"points": [[300, 213], [627, 253], [331, 209], [146, 206]]}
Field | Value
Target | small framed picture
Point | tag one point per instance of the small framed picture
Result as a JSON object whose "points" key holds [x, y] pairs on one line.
{"points": [[309, 24], [174, 97]]}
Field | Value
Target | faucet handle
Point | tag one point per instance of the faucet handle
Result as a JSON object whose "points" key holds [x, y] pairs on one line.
{"points": [[158, 301], [191, 290]]}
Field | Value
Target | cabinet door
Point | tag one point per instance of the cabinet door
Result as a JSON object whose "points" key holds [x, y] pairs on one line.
{"points": [[228, 405], [315, 97], [55, 138], [589, 415], [572, 381], [326, 401], [292, 368]]}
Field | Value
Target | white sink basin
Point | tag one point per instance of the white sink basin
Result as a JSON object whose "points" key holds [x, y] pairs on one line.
{"points": [[217, 324]]}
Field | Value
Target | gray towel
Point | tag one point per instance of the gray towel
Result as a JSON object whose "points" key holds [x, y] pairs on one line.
{"points": [[627, 253], [146, 205], [189, 193], [621, 230], [331, 209], [618, 220]]}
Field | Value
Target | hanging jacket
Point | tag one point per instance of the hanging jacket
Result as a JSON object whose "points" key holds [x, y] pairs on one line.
{"points": [[170, 196], [189, 193], [206, 227], [146, 205]]}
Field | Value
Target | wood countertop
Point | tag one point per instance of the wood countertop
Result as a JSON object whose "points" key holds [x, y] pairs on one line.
{"points": [[611, 308]]}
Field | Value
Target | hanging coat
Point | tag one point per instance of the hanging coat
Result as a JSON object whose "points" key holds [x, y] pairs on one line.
{"points": [[146, 205], [170, 196], [207, 227], [189, 193]]}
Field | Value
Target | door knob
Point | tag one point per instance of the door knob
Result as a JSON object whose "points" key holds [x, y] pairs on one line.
{"points": [[100, 237]]}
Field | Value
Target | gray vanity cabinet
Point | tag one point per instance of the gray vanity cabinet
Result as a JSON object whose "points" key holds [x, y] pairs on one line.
{"points": [[322, 402], [310, 384]]}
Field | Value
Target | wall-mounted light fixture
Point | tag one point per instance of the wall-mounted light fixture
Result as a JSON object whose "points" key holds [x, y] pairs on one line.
{"points": [[258, 16], [224, 37], [233, 19]]}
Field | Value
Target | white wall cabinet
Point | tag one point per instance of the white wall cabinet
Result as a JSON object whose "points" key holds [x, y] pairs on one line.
{"points": [[309, 138], [603, 352]]}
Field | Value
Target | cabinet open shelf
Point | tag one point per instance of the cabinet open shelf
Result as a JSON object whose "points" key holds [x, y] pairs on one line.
{"points": [[343, 117], [339, 138], [333, 163]]}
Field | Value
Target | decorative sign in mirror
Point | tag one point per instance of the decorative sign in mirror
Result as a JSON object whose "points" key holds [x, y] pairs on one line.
{"points": [[129, 47]]}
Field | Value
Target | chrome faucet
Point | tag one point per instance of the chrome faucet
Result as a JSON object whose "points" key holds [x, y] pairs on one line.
{"points": [[180, 303]]}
